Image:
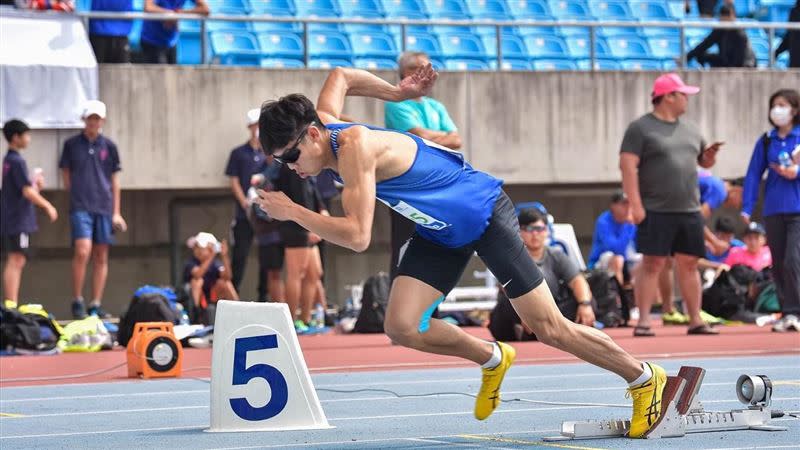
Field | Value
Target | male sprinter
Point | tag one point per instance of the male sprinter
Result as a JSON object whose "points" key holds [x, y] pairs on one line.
{"points": [[458, 211]]}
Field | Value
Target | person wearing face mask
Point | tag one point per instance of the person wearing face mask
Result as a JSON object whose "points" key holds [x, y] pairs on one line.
{"points": [[778, 152]]}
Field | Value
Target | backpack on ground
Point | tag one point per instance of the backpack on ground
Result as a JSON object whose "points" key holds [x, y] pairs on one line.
{"points": [[608, 298], [29, 327], [373, 304], [147, 307], [727, 297]]}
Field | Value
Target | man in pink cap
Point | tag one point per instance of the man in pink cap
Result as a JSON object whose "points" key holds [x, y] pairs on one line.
{"points": [[658, 159]]}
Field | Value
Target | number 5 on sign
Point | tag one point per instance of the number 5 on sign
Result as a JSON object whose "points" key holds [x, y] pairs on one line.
{"points": [[259, 379]]}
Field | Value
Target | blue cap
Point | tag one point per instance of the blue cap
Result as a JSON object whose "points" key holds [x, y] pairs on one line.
{"points": [[755, 227]]}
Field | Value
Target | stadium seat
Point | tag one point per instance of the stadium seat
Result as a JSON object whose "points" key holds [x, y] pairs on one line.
{"points": [[282, 63], [273, 7], [225, 25], [330, 45], [669, 65], [641, 64], [465, 64], [579, 47], [599, 64], [328, 9], [628, 47], [289, 27], [677, 8], [610, 10], [281, 44], [553, 64], [574, 31], [665, 47], [462, 45], [238, 48], [512, 46], [745, 8], [217, 5], [373, 45], [356, 8], [365, 27], [488, 10], [189, 48], [512, 64], [546, 46], [651, 10], [375, 63], [529, 10], [326, 63], [569, 9], [618, 31], [421, 42], [760, 48], [524, 31], [658, 32], [776, 10], [402, 8], [447, 9]]}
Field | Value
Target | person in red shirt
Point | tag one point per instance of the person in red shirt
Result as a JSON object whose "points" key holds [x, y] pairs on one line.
{"points": [[755, 254]]}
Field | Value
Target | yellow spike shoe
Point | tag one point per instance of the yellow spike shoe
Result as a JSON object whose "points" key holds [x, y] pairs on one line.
{"points": [[489, 395], [647, 405]]}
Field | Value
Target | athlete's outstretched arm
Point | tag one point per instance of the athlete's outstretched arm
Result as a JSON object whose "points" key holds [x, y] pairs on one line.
{"points": [[357, 169], [343, 81]]}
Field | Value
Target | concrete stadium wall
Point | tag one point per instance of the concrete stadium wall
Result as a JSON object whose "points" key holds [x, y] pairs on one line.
{"points": [[553, 137]]}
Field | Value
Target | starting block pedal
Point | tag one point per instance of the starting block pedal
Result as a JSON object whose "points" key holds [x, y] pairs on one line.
{"points": [[682, 412]]}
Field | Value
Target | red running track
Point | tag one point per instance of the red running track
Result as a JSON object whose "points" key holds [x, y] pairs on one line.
{"points": [[361, 352]]}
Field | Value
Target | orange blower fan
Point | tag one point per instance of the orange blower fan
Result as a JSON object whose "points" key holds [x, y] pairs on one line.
{"points": [[153, 351]]}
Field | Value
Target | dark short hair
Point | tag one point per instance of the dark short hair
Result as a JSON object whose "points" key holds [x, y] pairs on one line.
{"points": [[725, 224], [737, 181], [727, 10], [619, 196], [656, 100], [281, 121], [530, 215], [792, 97], [14, 126]]}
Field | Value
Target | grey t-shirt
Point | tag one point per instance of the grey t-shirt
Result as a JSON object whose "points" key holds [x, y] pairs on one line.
{"points": [[556, 265], [668, 153]]}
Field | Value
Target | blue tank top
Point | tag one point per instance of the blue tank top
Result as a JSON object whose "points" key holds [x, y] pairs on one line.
{"points": [[450, 202]]}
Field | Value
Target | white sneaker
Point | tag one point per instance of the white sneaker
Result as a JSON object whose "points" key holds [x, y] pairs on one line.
{"points": [[786, 323]]}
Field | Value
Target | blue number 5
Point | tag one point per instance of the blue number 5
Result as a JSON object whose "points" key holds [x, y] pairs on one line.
{"points": [[242, 374]]}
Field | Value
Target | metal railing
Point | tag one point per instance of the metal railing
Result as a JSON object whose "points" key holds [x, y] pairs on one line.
{"points": [[498, 25]]}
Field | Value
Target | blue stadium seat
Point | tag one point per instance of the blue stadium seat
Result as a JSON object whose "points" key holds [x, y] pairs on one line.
{"points": [[375, 63], [512, 64], [512, 46], [488, 10], [447, 9], [237, 48], [524, 31], [364, 27], [599, 64], [189, 48], [328, 63], [289, 27], [273, 7], [628, 47], [329, 44], [651, 10], [649, 32], [282, 63], [610, 10], [760, 48], [574, 31], [355, 8], [217, 5], [406, 9], [462, 45], [776, 10], [579, 47], [546, 46], [677, 8], [464, 64], [319, 9], [569, 9], [618, 31], [665, 47], [421, 42], [641, 64], [373, 45], [669, 65], [529, 10], [224, 25], [745, 7], [553, 64], [281, 44], [695, 32]]}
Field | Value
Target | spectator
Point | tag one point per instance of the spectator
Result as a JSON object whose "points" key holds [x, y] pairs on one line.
{"points": [[41, 5], [428, 119], [159, 38], [208, 277], [755, 254], [90, 167], [724, 230], [791, 40], [715, 193], [658, 156], [18, 196], [561, 274], [270, 246], [613, 240], [781, 200], [109, 37], [734, 46], [301, 260], [244, 162], [705, 8]]}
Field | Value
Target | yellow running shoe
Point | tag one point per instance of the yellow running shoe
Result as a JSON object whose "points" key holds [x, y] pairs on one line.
{"points": [[647, 402], [489, 396], [674, 318]]}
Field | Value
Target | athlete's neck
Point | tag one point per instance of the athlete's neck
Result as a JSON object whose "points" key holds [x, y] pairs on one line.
{"points": [[537, 254], [665, 115]]}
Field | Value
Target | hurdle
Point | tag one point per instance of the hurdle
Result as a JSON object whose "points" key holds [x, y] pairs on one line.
{"points": [[683, 413]]}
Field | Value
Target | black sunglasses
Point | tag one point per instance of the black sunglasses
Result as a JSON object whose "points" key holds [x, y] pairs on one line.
{"points": [[292, 154], [532, 228]]}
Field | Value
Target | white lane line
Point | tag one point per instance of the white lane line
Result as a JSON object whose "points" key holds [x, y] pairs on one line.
{"points": [[85, 397], [85, 433], [752, 447], [446, 443]]}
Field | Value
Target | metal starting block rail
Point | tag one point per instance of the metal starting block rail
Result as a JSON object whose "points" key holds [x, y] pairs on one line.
{"points": [[682, 412]]}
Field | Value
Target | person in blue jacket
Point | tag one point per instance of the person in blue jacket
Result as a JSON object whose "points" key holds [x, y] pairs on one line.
{"points": [[613, 243], [778, 153]]}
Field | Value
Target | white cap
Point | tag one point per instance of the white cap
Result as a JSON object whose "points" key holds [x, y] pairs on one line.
{"points": [[204, 240], [94, 107], [252, 116]]}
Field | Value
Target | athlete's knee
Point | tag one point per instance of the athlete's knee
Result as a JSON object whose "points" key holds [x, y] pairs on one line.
{"points": [[653, 264], [553, 331], [401, 331]]}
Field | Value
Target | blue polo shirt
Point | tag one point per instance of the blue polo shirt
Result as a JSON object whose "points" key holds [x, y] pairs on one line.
{"points": [[712, 190], [243, 163], [209, 278], [16, 212], [91, 165], [159, 33], [106, 27], [611, 236], [721, 258]]}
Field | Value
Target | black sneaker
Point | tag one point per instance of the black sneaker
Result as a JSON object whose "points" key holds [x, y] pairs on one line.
{"points": [[78, 309], [97, 310]]}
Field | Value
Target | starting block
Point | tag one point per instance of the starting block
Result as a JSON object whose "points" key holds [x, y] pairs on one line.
{"points": [[682, 413]]}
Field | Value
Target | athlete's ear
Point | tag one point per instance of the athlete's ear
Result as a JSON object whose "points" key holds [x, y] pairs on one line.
{"points": [[314, 132]]}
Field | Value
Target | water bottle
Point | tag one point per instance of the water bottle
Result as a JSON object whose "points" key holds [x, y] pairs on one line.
{"points": [[784, 159], [318, 318]]}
